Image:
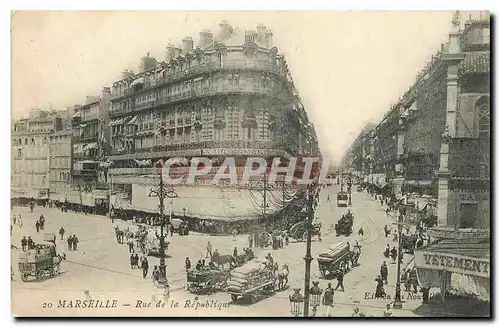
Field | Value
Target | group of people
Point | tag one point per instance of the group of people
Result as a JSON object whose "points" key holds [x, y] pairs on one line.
{"points": [[72, 241], [40, 224], [144, 264], [27, 243]]}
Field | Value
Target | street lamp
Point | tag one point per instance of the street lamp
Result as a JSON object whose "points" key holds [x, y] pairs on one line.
{"points": [[397, 298], [162, 193], [315, 294], [184, 212], [308, 258], [296, 302]]}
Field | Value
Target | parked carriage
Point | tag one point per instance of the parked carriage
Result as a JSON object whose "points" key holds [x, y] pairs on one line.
{"points": [[39, 262], [179, 226], [299, 231], [206, 281], [408, 242], [337, 257]]}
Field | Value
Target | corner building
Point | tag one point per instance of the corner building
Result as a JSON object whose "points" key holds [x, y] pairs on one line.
{"points": [[231, 96]]}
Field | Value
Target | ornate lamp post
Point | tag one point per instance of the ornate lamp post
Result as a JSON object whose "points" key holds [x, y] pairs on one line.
{"points": [[398, 304], [315, 294], [308, 258], [162, 193], [296, 302]]}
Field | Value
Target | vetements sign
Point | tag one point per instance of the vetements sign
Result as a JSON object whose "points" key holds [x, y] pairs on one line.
{"points": [[453, 263]]}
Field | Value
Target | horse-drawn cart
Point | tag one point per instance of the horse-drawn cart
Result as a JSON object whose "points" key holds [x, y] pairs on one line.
{"points": [[344, 225], [39, 263], [206, 281], [299, 231], [337, 257]]}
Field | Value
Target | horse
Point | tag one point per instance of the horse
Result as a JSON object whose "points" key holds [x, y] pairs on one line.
{"points": [[282, 275], [221, 260], [119, 235], [355, 253]]}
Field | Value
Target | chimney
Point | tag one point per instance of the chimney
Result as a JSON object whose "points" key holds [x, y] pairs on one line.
{"points": [[206, 38], [250, 36], [225, 30], [127, 73], [147, 63], [269, 39], [170, 52], [187, 45], [261, 32], [177, 52]]}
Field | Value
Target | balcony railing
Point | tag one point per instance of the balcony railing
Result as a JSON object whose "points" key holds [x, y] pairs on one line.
{"points": [[204, 92]]}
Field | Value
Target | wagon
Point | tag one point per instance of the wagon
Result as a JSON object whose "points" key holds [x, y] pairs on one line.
{"points": [[299, 231], [257, 292], [338, 256], [206, 281], [344, 225], [38, 263], [342, 199]]}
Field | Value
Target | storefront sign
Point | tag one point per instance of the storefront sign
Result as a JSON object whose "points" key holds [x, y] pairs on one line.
{"points": [[453, 263], [458, 234]]}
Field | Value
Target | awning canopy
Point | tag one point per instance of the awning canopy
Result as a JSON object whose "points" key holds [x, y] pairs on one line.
{"points": [[90, 146], [116, 122], [132, 121]]}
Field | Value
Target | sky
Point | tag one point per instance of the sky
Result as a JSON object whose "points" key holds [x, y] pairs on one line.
{"points": [[348, 67]]}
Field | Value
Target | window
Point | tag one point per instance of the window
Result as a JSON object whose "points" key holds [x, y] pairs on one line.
{"points": [[486, 35], [468, 212], [484, 117]]}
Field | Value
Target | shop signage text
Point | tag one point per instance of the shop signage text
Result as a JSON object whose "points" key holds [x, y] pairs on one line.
{"points": [[453, 263]]}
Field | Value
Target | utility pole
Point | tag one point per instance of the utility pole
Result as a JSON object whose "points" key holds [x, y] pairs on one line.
{"points": [[308, 258]]}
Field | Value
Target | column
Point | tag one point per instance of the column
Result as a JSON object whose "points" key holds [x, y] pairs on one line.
{"points": [[451, 59]]}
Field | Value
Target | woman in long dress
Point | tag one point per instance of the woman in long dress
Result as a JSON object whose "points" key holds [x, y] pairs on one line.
{"points": [[379, 290]]}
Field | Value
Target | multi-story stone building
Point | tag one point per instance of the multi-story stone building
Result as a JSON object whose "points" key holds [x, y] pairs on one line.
{"points": [[231, 96], [60, 163], [90, 141], [452, 94], [30, 154]]}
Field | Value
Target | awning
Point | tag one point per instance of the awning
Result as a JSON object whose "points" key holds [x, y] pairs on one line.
{"points": [[90, 146], [116, 122], [457, 265], [132, 121], [87, 162], [212, 203], [83, 125], [137, 81]]}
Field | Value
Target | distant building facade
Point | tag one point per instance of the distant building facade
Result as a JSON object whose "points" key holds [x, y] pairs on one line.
{"points": [[30, 154], [60, 163]]}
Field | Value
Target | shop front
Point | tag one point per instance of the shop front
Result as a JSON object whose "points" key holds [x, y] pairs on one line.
{"points": [[459, 266]]}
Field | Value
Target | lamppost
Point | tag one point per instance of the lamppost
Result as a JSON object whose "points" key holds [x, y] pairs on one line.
{"points": [[397, 298], [162, 193], [308, 258]]}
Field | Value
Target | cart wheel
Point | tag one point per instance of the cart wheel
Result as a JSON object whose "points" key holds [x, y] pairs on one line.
{"points": [[39, 274], [234, 297], [254, 298], [24, 277]]}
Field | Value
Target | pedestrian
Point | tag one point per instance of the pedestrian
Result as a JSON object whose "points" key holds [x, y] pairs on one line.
{"points": [[384, 272], [132, 260], [328, 299], [145, 267], [387, 251], [14, 219], [37, 226], [30, 243], [209, 250], [155, 274], [379, 290], [61, 232], [425, 295], [235, 232], [340, 280], [387, 231], [235, 252], [394, 254], [136, 261], [75, 242], [70, 243], [171, 231], [250, 241], [130, 244], [24, 243], [328, 198], [187, 263], [20, 221], [388, 311]]}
